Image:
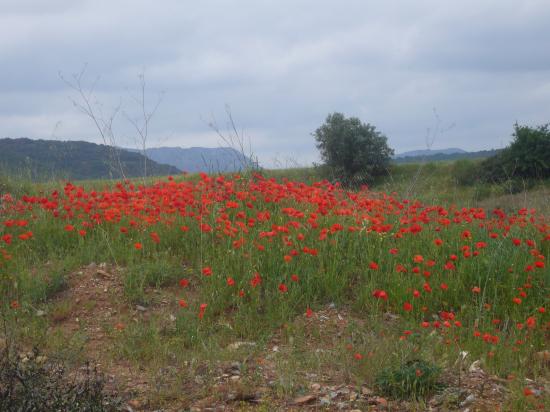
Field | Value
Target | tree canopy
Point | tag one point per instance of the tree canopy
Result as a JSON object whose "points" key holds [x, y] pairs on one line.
{"points": [[353, 151]]}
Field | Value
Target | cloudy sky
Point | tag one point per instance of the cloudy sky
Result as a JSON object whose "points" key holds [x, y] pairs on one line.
{"points": [[281, 66]]}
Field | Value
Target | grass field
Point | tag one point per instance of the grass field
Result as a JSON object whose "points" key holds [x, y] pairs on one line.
{"points": [[283, 292]]}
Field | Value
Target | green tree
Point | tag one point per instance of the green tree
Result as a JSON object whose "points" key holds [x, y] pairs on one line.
{"points": [[528, 156], [353, 151]]}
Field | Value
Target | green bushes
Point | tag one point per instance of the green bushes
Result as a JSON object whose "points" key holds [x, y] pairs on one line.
{"points": [[527, 157], [415, 379], [354, 152]]}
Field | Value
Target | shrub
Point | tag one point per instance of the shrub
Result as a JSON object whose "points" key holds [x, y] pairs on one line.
{"points": [[355, 152], [414, 379], [465, 172], [527, 157], [31, 382]]}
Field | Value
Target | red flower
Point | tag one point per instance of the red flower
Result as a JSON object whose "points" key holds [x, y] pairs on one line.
{"points": [[283, 288], [230, 281], [207, 271], [373, 265], [309, 313], [476, 289], [182, 303], [407, 307], [294, 278], [380, 294], [202, 309], [138, 245]]}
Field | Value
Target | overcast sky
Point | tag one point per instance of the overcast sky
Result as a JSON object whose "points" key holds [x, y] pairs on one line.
{"points": [[281, 66]]}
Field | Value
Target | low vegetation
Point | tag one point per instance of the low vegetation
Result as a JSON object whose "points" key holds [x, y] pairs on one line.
{"points": [[291, 280]]}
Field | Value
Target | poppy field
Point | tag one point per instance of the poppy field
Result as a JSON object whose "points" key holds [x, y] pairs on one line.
{"points": [[256, 253]]}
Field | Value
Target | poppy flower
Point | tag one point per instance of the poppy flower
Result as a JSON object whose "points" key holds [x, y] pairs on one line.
{"points": [[138, 246], [207, 271]]}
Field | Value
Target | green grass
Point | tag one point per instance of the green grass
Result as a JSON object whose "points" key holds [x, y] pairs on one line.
{"points": [[173, 336]]}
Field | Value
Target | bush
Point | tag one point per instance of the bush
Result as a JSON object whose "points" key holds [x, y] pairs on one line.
{"points": [[31, 382], [465, 172], [527, 157], [414, 379], [353, 151]]}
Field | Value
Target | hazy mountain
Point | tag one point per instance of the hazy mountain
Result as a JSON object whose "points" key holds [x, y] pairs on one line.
{"points": [[430, 152], [200, 159], [48, 159], [482, 154]]}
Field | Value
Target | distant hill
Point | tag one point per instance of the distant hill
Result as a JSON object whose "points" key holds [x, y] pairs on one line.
{"points": [[200, 159], [430, 152], [435, 157], [46, 159]]}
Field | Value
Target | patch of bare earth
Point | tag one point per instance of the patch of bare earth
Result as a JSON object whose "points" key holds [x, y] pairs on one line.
{"points": [[256, 381], [94, 306]]}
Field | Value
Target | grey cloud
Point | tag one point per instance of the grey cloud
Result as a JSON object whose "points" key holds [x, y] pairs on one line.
{"points": [[282, 66]]}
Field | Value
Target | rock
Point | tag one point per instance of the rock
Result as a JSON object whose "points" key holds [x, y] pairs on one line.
{"points": [[275, 348], [40, 313], [172, 318], [102, 274], [366, 391], [235, 378], [475, 366], [353, 396], [141, 308], [237, 345], [390, 317], [468, 401], [303, 400], [324, 400], [356, 410], [315, 387], [134, 403]]}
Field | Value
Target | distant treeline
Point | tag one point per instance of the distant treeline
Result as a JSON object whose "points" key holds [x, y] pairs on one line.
{"points": [[483, 154]]}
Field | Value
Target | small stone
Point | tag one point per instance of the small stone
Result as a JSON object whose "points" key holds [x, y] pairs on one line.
{"points": [[141, 308], [469, 400], [237, 345], [40, 313], [475, 366], [353, 396], [315, 387], [102, 274], [381, 402], [172, 318], [235, 378], [275, 348], [356, 410], [324, 400], [134, 403], [366, 391], [302, 400]]}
